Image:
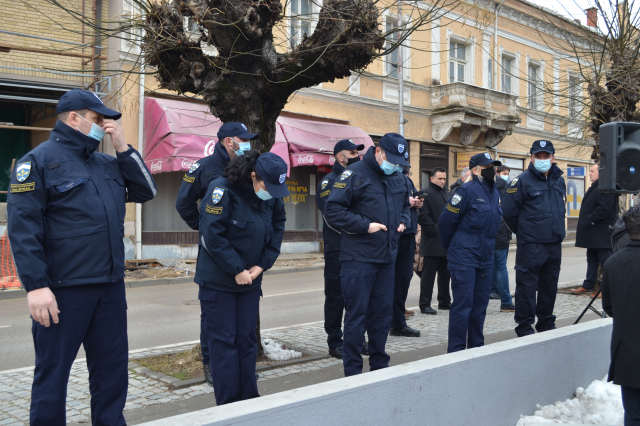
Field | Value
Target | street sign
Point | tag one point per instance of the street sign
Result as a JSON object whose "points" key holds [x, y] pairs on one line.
{"points": [[576, 171]]}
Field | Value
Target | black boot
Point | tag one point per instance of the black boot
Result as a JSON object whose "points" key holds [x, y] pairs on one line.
{"points": [[336, 352], [365, 349], [404, 332], [207, 374]]}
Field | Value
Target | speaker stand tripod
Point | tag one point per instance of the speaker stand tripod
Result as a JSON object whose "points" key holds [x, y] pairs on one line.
{"points": [[602, 314]]}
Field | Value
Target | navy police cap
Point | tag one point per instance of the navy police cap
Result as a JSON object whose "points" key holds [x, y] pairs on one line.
{"points": [[78, 99], [229, 130], [395, 149], [346, 145], [542, 146], [482, 159], [273, 171]]}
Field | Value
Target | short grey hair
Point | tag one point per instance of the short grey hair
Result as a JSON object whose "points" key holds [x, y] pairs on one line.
{"points": [[64, 116], [464, 171]]}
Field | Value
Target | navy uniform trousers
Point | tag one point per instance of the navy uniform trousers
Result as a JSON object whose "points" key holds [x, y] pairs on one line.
{"points": [[368, 296], [537, 268], [471, 288], [402, 278], [333, 300], [230, 320], [93, 315]]}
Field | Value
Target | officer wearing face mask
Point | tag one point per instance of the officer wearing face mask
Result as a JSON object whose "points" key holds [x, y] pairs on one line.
{"points": [[66, 209], [369, 205], [346, 153], [468, 228], [534, 209], [233, 141], [241, 228]]}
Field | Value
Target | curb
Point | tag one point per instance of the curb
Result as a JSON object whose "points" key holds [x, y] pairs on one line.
{"points": [[18, 293]]}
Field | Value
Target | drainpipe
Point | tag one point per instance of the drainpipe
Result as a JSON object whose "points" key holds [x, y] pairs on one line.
{"points": [[400, 75], [141, 150], [495, 46]]}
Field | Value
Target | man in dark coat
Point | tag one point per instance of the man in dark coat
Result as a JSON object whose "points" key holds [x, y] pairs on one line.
{"points": [[597, 213], [500, 283], [620, 300], [463, 178], [435, 257]]}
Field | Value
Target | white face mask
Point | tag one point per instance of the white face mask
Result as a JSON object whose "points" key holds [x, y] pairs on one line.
{"points": [[505, 178]]}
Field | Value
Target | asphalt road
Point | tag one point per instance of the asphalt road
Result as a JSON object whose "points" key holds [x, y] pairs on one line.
{"points": [[168, 314]]}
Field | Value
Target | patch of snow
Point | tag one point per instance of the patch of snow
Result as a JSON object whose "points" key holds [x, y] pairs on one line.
{"points": [[276, 351], [599, 404]]}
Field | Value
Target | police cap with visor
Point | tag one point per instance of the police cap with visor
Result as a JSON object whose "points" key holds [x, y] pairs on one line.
{"points": [[395, 149], [78, 99], [346, 145], [273, 171], [542, 146], [235, 129], [482, 159]]}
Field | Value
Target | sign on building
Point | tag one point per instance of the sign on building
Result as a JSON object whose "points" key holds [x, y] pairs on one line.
{"points": [[462, 158], [575, 193], [576, 171]]}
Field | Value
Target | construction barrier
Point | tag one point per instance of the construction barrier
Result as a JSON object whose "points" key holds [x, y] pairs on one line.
{"points": [[8, 275]]}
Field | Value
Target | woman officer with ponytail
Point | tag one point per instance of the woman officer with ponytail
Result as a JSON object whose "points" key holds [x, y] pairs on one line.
{"points": [[468, 228], [241, 228]]}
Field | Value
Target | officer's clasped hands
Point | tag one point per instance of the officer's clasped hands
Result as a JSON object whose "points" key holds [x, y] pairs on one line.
{"points": [[375, 227]]}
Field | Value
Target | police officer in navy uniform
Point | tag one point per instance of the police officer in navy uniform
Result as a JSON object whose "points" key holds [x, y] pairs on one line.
{"points": [[468, 228], [403, 269], [66, 210], [233, 141], [534, 209], [369, 204], [241, 228], [346, 153]]}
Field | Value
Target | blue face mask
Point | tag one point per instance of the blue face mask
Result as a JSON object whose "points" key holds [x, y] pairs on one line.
{"points": [[96, 132], [387, 167], [505, 178], [542, 165], [243, 146], [263, 195]]}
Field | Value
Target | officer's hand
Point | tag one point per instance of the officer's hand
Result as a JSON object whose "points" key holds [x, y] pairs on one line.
{"points": [[401, 228], [375, 227], [255, 271], [244, 278], [114, 130], [416, 202], [42, 302]]}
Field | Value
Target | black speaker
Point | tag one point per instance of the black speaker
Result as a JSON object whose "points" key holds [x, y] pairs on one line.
{"points": [[619, 158]]}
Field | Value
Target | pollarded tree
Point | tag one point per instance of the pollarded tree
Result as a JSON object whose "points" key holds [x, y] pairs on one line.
{"points": [[263, 57]]}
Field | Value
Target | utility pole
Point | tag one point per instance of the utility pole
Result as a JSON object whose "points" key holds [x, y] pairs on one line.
{"points": [[400, 76]]}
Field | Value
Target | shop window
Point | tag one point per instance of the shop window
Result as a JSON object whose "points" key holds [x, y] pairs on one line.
{"points": [[515, 164], [300, 205]]}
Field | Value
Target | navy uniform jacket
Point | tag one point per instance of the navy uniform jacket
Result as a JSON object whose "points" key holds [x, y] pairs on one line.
{"points": [[412, 192], [66, 219], [237, 231], [534, 206], [196, 182], [361, 195], [330, 235], [469, 224]]}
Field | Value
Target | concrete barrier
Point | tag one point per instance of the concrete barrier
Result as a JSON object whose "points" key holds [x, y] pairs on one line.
{"points": [[489, 386]]}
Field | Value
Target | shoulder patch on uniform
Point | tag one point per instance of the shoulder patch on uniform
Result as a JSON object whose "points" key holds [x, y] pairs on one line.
{"points": [[214, 210], [193, 167], [339, 185], [514, 181], [512, 190], [22, 171], [217, 195], [324, 184], [453, 209], [24, 187], [325, 193], [189, 179], [455, 200], [346, 174]]}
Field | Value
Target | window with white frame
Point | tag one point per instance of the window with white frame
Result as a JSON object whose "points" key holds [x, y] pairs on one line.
{"points": [[534, 79], [391, 60], [302, 20], [575, 92], [131, 36], [457, 62], [507, 73], [490, 73]]}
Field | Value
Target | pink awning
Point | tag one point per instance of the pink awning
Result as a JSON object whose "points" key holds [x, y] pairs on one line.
{"points": [[178, 133]]}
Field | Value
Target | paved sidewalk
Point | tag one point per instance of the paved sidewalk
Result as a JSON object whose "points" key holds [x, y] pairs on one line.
{"points": [[15, 385]]}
